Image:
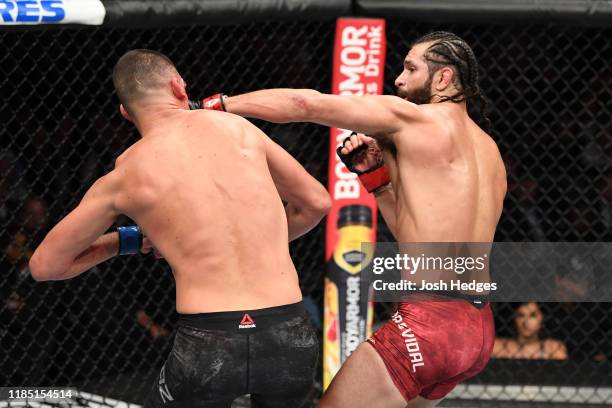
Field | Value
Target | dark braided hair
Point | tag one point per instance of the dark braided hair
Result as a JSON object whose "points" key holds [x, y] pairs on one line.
{"points": [[449, 49]]}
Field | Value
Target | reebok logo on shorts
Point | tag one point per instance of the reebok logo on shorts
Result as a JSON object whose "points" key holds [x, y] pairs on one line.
{"points": [[247, 322], [412, 345]]}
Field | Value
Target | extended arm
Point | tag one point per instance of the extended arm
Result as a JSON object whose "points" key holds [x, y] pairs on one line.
{"points": [[308, 201], [370, 114], [76, 243]]}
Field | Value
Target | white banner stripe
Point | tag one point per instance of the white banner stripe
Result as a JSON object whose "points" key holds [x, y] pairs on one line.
{"points": [[42, 12]]}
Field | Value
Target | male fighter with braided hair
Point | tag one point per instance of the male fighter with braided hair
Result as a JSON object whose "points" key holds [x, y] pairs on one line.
{"points": [[206, 189], [448, 184], [448, 49]]}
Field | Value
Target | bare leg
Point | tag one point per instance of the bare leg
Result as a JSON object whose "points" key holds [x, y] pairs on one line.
{"points": [[363, 381], [420, 402]]}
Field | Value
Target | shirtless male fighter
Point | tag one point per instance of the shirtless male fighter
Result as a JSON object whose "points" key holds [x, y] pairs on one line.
{"points": [[205, 188], [448, 185]]}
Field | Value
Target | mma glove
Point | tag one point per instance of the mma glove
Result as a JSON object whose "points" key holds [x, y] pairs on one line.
{"points": [[214, 102], [375, 179], [130, 239]]}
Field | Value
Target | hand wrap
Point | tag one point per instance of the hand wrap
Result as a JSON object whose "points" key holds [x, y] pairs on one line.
{"points": [[373, 178], [130, 239], [214, 102]]}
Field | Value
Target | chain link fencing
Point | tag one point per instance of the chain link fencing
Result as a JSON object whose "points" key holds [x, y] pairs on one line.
{"points": [[109, 330]]}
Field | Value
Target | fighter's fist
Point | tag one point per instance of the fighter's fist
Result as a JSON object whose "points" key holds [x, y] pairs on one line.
{"points": [[214, 102], [367, 154], [362, 155]]}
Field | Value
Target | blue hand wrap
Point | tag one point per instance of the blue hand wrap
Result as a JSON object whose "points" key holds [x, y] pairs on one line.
{"points": [[130, 240]]}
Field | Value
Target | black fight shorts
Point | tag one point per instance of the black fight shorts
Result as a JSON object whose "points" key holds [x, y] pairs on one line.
{"points": [[269, 353]]}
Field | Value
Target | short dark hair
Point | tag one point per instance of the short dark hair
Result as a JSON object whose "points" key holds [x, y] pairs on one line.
{"points": [[448, 49], [140, 71]]}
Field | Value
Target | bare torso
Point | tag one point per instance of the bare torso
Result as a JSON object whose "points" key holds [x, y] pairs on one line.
{"points": [[201, 191], [448, 177]]}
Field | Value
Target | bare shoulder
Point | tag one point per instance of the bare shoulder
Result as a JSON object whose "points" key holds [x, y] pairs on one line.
{"points": [[504, 347], [134, 170], [109, 181], [105, 189], [555, 349], [553, 345], [507, 343], [404, 108], [123, 157], [491, 146], [488, 139], [211, 117], [137, 164], [494, 154], [134, 155], [234, 127], [500, 343], [428, 135]]}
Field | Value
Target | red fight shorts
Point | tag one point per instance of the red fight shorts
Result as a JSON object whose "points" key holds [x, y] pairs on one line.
{"points": [[431, 346]]}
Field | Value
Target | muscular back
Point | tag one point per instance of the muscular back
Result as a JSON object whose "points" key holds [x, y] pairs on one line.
{"points": [[450, 181], [201, 190]]}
